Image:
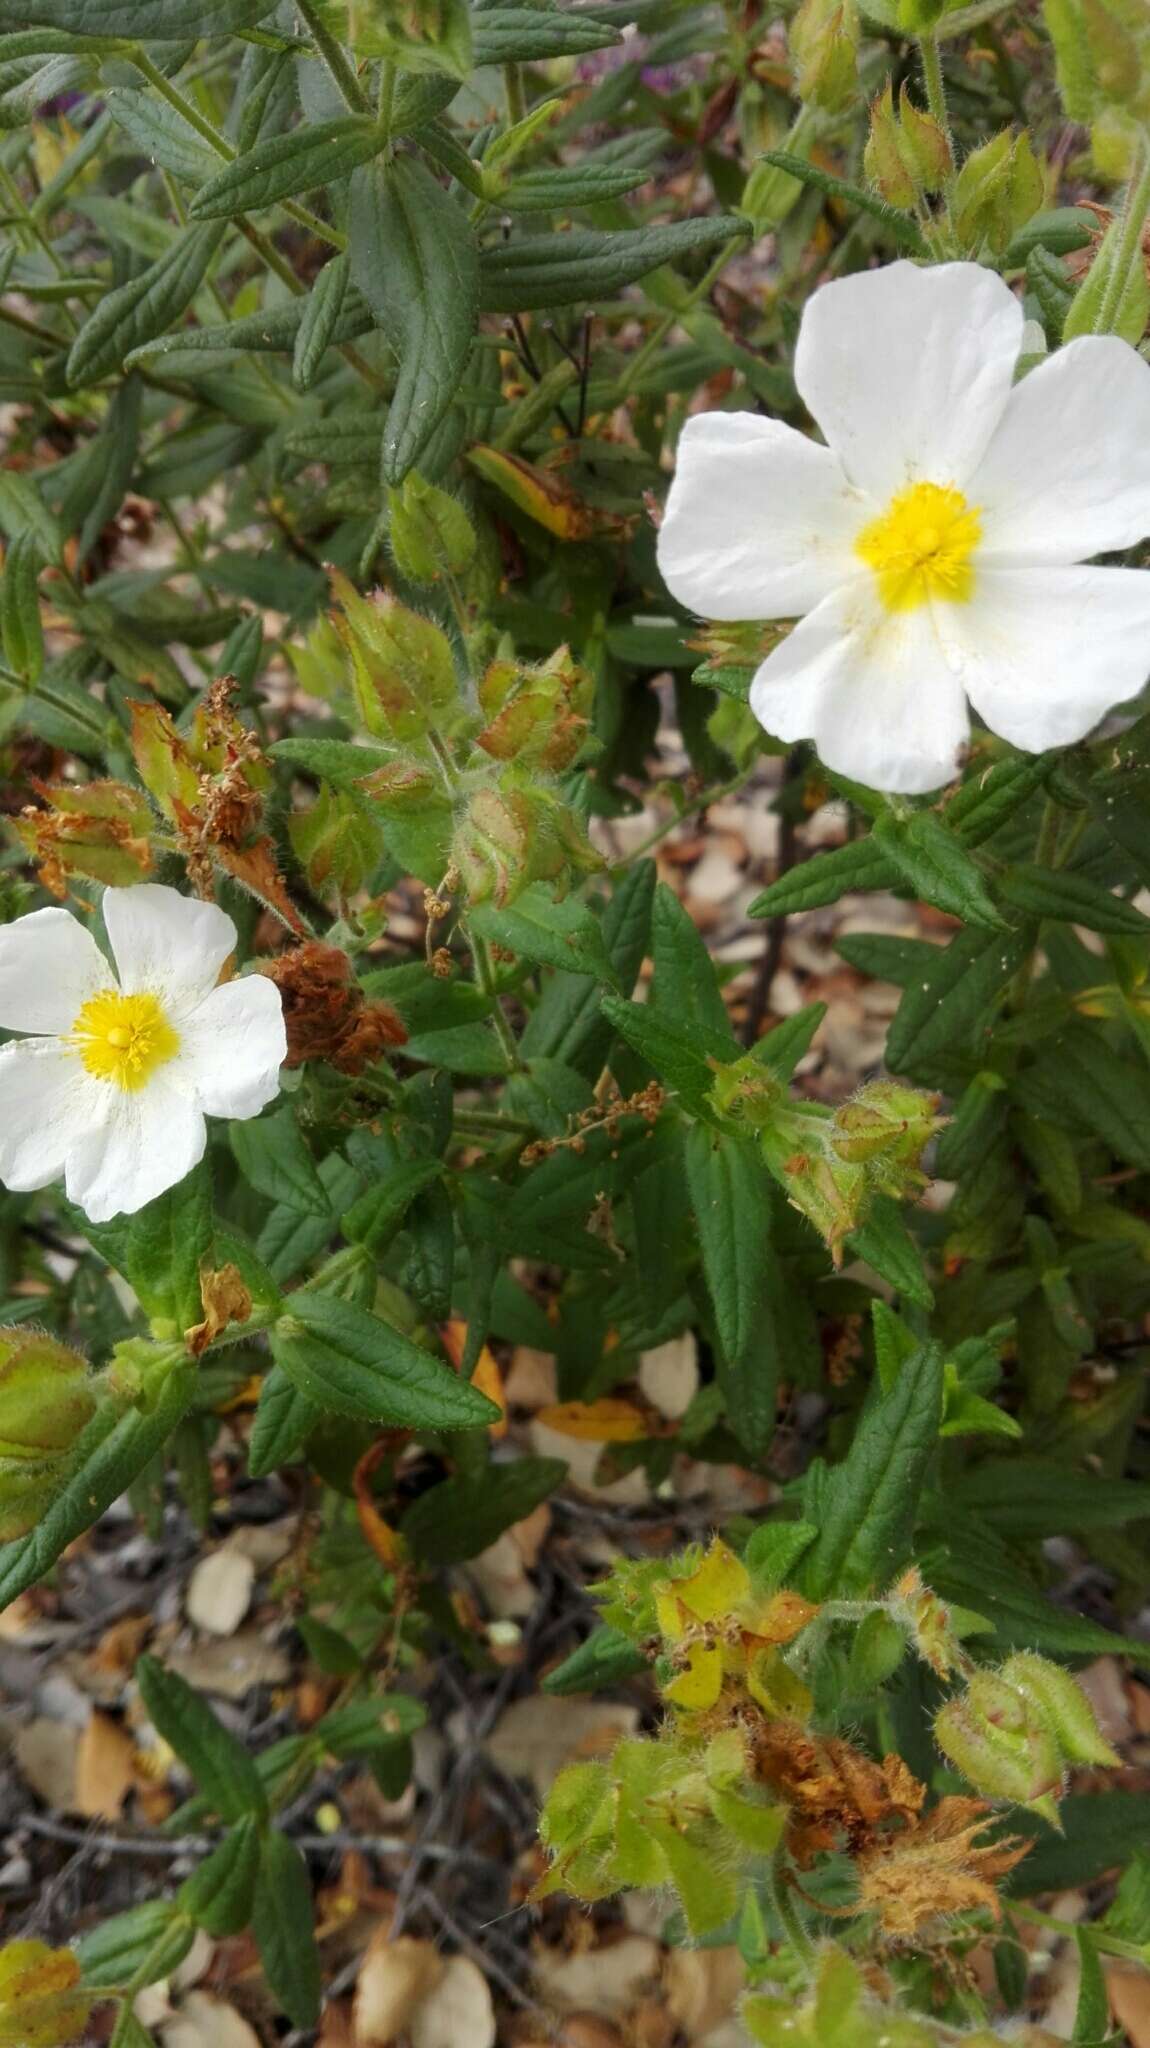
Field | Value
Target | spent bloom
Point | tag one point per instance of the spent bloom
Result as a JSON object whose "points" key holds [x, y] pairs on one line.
{"points": [[933, 551], [111, 1085]]}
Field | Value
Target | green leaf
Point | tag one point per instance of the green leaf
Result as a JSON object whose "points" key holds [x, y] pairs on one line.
{"points": [[283, 1922], [219, 1763], [414, 258], [1099, 1831], [978, 1571], [685, 989], [462, 1516], [946, 1007], [567, 1024], [345, 1360], [606, 1658], [218, 1895], [1061, 230], [731, 1198], [521, 35], [885, 1242], [340, 762], [22, 508], [937, 867], [110, 1454], [774, 1549], [1071, 898], [992, 796], [535, 271], [161, 133], [782, 1047], [283, 165], [272, 1154], [868, 1503], [860, 864], [679, 1058], [563, 933], [556, 190], [144, 307], [376, 1215], [21, 631], [168, 20], [899, 226], [1031, 1498], [316, 333], [146, 1943], [1080, 1074], [283, 1421]]}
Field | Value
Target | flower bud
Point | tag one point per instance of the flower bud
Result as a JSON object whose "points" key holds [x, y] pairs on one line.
{"points": [[998, 189], [883, 155], [824, 44], [536, 716], [430, 534], [747, 1093], [831, 1193], [924, 146], [888, 1125], [999, 1741], [46, 1399], [1063, 1705]]}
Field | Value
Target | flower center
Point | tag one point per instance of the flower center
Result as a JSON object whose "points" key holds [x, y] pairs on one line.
{"points": [[123, 1039], [922, 546]]}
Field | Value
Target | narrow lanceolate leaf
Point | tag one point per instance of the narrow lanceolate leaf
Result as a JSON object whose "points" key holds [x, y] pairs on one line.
{"points": [[414, 258], [534, 271], [222, 1768], [283, 1922], [899, 226], [685, 989], [730, 1196], [465, 1515], [861, 864], [867, 1505], [552, 190], [143, 308], [564, 934], [284, 1419], [946, 1007], [520, 35], [936, 866], [994, 794], [283, 165], [159, 1249], [161, 133], [1072, 899], [276, 329], [272, 1154], [350, 1363], [218, 1895], [320, 319], [167, 20], [21, 631], [567, 1023]]}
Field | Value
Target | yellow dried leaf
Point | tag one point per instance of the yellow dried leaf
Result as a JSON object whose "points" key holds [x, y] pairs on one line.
{"points": [[608, 1421]]}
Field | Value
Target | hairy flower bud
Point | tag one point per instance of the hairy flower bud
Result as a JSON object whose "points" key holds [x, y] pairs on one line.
{"points": [[1063, 1705], [1000, 1741], [888, 1126], [46, 1398], [883, 155], [924, 145], [536, 716], [824, 43]]}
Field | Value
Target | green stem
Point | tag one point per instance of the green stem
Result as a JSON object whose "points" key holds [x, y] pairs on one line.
{"points": [[335, 57], [1133, 220], [662, 328], [1110, 1944], [788, 1916], [516, 97], [385, 103], [936, 101], [485, 976], [713, 795]]}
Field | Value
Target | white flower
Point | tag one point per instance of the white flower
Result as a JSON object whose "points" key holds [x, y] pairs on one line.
{"points": [[111, 1087], [932, 550]]}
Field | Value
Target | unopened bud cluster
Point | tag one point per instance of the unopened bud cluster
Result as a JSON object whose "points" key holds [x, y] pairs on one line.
{"points": [[1014, 1732], [47, 1396]]}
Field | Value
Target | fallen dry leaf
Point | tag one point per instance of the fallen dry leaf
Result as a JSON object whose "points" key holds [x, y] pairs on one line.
{"points": [[702, 1987], [669, 1375], [45, 1753], [530, 1381], [1129, 1994], [605, 1981], [206, 2022], [220, 1591], [393, 1977], [105, 1768], [458, 2009], [608, 1421], [230, 1668], [582, 1458], [537, 1736]]}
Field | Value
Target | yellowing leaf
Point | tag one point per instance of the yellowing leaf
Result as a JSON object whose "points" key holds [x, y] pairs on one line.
{"points": [[486, 1376], [40, 2006], [720, 1585], [536, 492], [699, 1686], [607, 1421]]}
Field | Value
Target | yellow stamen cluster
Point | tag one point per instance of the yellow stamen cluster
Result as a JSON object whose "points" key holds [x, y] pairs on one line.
{"points": [[123, 1039], [922, 546]]}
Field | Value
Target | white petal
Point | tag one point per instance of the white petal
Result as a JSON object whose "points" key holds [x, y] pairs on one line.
{"points": [[1067, 474], [760, 521], [49, 966], [48, 1105], [232, 1048], [871, 688], [907, 371], [152, 1138], [1043, 653], [167, 945]]}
